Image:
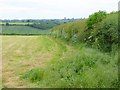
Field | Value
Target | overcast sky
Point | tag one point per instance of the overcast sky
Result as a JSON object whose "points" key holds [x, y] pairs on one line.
{"points": [[53, 9]]}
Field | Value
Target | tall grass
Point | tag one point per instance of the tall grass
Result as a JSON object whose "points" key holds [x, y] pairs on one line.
{"points": [[82, 68]]}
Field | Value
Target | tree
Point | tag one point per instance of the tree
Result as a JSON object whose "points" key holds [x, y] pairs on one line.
{"points": [[92, 23], [95, 18], [7, 24], [28, 21]]}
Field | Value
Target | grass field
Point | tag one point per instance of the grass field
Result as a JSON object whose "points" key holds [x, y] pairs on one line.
{"points": [[42, 61], [25, 53], [22, 30], [18, 23]]}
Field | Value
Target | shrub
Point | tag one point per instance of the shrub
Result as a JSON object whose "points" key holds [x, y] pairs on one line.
{"points": [[106, 33], [92, 23], [95, 18]]}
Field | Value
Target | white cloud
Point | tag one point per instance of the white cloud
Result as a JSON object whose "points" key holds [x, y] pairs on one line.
{"points": [[11, 9]]}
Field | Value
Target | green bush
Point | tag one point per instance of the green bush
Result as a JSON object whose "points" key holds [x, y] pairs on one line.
{"points": [[92, 23], [105, 35], [95, 18]]}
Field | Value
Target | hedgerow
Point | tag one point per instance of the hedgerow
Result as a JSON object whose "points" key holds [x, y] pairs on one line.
{"points": [[100, 31]]}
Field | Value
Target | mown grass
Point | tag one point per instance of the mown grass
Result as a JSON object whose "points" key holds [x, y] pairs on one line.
{"points": [[23, 53], [0, 84], [22, 30]]}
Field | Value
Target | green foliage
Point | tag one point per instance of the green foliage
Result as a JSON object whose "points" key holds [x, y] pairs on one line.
{"points": [[105, 35], [7, 24], [92, 23], [98, 31], [72, 32], [81, 68], [95, 18]]}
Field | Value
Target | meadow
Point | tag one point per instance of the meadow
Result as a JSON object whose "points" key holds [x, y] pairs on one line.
{"points": [[22, 30]]}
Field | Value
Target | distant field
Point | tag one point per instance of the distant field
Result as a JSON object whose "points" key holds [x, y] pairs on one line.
{"points": [[22, 30], [21, 23]]}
